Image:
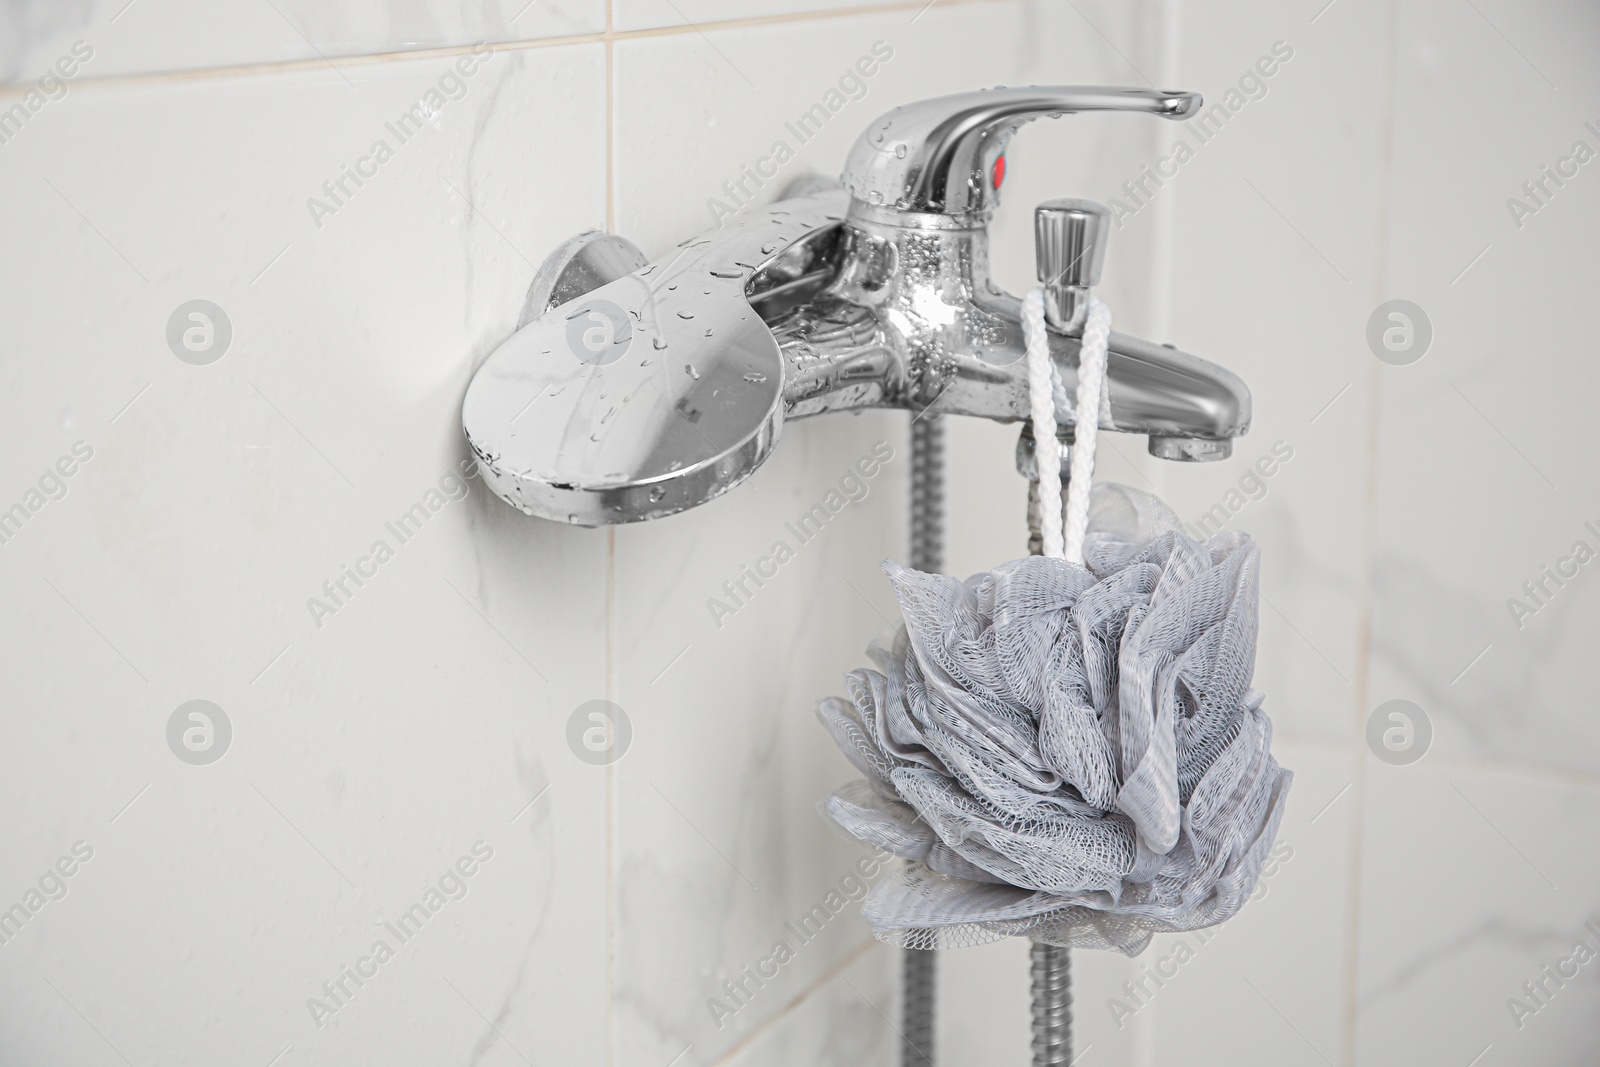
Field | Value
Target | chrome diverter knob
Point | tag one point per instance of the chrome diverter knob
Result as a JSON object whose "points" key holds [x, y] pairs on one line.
{"points": [[1069, 248]]}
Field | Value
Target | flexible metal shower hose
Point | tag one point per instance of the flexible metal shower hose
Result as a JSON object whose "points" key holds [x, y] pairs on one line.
{"points": [[1051, 969], [1052, 1005], [927, 493], [1051, 965], [919, 969]]}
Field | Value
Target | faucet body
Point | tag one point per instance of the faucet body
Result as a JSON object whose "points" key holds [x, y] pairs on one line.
{"points": [[902, 312], [668, 384]]}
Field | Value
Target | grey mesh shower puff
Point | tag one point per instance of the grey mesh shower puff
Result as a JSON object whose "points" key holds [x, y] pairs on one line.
{"points": [[1069, 753]]}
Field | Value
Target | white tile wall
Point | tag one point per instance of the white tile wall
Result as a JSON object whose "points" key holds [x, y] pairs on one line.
{"points": [[1474, 873], [1471, 886], [430, 712], [371, 752], [129, 37], [1517, 499]]}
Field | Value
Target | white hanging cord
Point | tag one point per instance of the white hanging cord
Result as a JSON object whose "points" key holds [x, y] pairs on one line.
{"points": [[1065, 543], [1091, 387], [1041, 401]]}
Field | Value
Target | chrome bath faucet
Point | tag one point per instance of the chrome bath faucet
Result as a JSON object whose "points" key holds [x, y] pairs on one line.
{"points": [[633, 390]]}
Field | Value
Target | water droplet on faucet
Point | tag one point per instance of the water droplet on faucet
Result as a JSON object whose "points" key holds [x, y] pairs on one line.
{"points": [[688, 369], [685, 314], [754, 377], [659, 343], [899, 151]]}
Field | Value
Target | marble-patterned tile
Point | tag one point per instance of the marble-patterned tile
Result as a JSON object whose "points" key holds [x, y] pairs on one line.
{"points": [[352, 325], [62, 42], [417, 723], [721, 852], [1479, 922], [217, 539], [1274, 269], [847, 1020], [1487, 495], [718, 841]]}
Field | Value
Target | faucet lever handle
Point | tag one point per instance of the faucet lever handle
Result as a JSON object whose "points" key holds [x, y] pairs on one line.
{"points": [[1069, 248], [940, 156]]}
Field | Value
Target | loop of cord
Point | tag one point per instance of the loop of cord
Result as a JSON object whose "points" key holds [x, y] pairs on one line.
{"points": [[1091, 387], [1041, 402], [1064, 540]]}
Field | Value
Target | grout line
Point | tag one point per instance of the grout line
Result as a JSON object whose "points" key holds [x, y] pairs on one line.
{"points": [[1543, 774], [611, 138], [613, 838], [291, 66], [1540, 773], [1369, 536], [799, 998]]}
